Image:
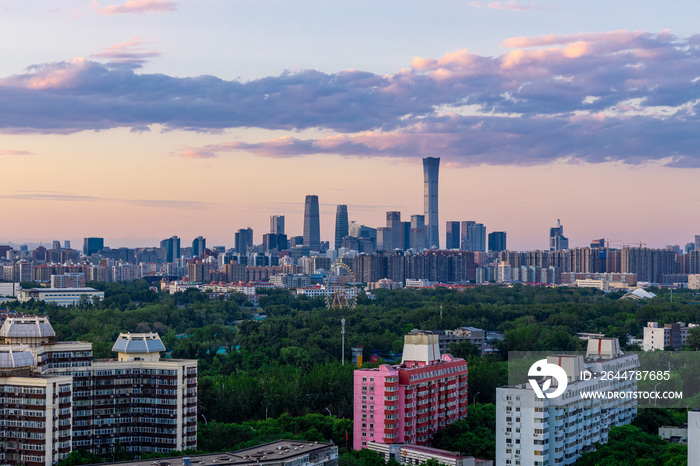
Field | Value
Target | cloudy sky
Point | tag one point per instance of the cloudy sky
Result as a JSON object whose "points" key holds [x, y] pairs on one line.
{"points": [[144, 119]]}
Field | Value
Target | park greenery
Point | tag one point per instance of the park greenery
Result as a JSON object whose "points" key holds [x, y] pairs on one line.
{"points": [[280, 376]]}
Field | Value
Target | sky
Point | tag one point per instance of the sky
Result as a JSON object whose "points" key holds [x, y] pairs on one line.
{"points": [[139, 120]]}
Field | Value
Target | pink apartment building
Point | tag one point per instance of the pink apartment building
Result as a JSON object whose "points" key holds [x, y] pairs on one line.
{"points": [[409, 402]]}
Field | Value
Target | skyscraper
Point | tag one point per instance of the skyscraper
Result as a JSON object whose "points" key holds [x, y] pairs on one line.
{"points": [[312, 226], [697, 242], [93, 245], [452, 239], [172, 248], [244, 239], [477, 236], [431, 168], [497, 241], [198, 246], [557, 240], [341, 224], [393, 222], [466, 244], [277, 224]]}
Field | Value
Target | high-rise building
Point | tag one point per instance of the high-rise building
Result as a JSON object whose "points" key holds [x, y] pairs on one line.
{"points": [[171, 248], [341, 225], [697, 242], [411, 401], [393, 222], [405, 235], [419, 235], [557, 240], [538, 431], [497, 241], [476, 233], [198, 246], [243, 240], [431, 168], [465, 244], [312, 225], [277, 224], [275, 241], [452, 238], [93, 245]]}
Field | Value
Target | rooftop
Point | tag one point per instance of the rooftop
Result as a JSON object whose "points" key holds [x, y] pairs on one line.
{"points": [[27, 327], [268, 453], [138, 343]]}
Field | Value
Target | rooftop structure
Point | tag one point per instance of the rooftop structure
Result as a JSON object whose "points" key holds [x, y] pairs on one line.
{"points": [[138, 346]]}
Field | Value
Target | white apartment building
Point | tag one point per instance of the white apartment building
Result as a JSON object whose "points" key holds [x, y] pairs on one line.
{"points": [[556, 431], [659, 337]]}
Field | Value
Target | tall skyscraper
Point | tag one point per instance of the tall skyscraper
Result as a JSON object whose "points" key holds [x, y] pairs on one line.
{"points": [[393, 222], [452, 238], [341, 224], [697, 242], [93, 245], [557, 240], [172, 248], [243, 240], [497, 241], [312, 225], [277, 224], [431, 168], [198, 246]]}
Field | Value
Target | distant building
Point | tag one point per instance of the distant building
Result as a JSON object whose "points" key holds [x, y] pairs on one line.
{"points": [[431, 169], [60, 296], [411, 401], [277, 224], [243, 240], [694, 435], [393, 223], [694, 281], [476, 235], [669, 335], [199, 244], [312, 226], [497, 241], [68, 280], [341, 225], [93, 245], [452, 237], [419, 233], [171, 248], [557, 240]]}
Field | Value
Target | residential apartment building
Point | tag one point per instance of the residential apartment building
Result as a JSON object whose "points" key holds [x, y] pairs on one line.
{"points": [[553, 431], [659, 337], [411, 401], [139, 401]]}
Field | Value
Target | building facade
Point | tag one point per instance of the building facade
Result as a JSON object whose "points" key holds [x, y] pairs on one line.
{"points": [[411, 401], [431, 170], [312, 225]]}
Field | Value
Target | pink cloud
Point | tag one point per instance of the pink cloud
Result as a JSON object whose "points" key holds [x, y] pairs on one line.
{"points": [[618, 37], [129, 54], [15, 152], [136, 7]]}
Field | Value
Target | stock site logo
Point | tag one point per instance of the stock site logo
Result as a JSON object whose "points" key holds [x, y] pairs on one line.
{"points": [[543, 369]]}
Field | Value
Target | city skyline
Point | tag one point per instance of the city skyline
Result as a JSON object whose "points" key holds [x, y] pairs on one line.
{"points": [[537, 110]]}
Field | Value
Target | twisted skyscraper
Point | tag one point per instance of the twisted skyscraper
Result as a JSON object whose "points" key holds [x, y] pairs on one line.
{"points": [[431, 167]]}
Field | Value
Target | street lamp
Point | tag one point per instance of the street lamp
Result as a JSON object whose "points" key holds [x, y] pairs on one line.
{"points": [[655, 394], [329, 412], [474, 399], [268, 405]]}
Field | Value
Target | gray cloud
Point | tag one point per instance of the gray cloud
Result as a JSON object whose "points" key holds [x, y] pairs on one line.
{"points": [[626, 96]]}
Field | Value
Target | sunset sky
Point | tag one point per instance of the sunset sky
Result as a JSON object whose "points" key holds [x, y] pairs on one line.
{"points": [[144, 119]]}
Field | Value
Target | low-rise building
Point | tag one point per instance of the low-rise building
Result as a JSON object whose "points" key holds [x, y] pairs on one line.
{"points": [[413, 455], [658, 337], [60, 296]]}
